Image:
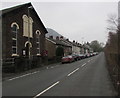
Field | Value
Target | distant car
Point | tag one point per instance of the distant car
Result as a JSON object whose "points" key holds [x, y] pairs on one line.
{"points": [[81, 56], [76, 57], [87, 55], [67, 59], [95, 53], [91, 54]]}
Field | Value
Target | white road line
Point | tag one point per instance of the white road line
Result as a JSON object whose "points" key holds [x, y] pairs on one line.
{"points": [[46, 89], [35, 72], [25, 75], [18, 77], [56, 65], [13, 78], [83, 64], [89, 60], [73, 72], [22, 76]]}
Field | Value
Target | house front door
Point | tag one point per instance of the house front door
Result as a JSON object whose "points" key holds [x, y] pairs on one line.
{"points": [[27, 49]]}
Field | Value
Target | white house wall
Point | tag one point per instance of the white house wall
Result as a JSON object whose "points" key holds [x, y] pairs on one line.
{"points": [[75, 50]]}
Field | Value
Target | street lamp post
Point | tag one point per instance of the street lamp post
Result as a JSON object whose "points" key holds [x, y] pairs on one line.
{"points": [[30, 7]]}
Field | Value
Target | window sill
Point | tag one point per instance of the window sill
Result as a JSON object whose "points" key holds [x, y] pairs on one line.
{"points": [[15, 55], [38, 54], [27, 36]]}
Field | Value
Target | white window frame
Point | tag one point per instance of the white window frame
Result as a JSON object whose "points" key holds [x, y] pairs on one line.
{"points": [[38, 41], [14, 23], [27, 21]]}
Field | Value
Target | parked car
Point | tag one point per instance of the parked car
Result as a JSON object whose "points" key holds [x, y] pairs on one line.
{"points": [[67, 59], [76, 57], [81, 56], [91, 54], [95, 53], [87, 55]]}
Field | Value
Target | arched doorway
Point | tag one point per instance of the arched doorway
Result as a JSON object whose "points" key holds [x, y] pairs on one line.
{"points": [[28, 47]]}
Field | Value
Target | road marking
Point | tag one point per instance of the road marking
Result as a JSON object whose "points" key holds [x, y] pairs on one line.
{"points": [[51, 67], [19, 77], [73, 72], [46, 89], [89, 60], [13, 78], [83, 64], [35, 72], [56, 65], [22, 76]]}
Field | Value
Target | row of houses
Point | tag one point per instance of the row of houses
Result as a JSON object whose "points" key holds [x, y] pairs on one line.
{"points": [[23, 35], [69, 47]]}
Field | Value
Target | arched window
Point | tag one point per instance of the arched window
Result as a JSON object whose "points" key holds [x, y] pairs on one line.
{"points": [[14, 31], [31, 27], [27, 26], [38, 41]]}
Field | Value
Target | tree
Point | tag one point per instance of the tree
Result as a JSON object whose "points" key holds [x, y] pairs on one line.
{"points": [[113, 23], [112, 49], [96, 46], [59, 51]]}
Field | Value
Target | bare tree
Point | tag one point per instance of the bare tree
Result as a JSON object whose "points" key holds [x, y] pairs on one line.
{"points": [[112, 49], [113, 22]]}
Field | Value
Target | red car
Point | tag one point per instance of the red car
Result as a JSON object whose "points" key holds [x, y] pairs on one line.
{"points": [[67, 59]]}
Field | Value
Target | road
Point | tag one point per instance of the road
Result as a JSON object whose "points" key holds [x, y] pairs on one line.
{"points": [[87, 77]]}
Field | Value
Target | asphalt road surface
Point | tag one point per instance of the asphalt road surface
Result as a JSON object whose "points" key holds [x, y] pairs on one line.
{"points": [[87, 77]]}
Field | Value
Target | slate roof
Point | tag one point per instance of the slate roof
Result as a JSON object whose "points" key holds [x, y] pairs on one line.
{"points": [[59, 42], [5, 11], [75, 44]]}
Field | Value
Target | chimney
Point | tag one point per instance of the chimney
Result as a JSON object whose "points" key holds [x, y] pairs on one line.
{"points": [[57, 37], [61, 38], [51, 37], [73, 41], [67, 39]]}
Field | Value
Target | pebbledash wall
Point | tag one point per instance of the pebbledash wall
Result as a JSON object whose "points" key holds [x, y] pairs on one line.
{"points": [[15, 37]]}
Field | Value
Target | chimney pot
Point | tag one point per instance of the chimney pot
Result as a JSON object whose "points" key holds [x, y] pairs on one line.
{"points": [[51, 37], [57, 37], [61, 37], [67, 39]]}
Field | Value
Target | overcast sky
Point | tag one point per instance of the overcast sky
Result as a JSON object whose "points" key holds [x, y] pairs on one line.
{"points": [[80, 21]]}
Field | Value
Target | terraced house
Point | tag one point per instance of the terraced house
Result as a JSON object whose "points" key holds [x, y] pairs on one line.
{"points": [[23, 33], [52, 45]]}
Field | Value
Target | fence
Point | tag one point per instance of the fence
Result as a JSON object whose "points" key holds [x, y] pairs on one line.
{"points": [[19, 64], [54, 59], [113, 61]]}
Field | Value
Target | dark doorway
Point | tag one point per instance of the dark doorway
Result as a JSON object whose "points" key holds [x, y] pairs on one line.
{"points": [[27, 49]]}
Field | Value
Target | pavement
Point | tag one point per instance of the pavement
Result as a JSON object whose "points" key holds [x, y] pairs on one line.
{"points": [[87, 77]]}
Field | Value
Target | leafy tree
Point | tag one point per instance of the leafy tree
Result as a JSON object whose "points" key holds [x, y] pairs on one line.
{"points": [[59, 51], [96, 46]]}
